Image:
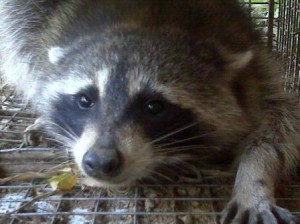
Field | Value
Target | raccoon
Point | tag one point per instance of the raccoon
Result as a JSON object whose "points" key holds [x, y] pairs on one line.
{"points": [[139, 87]]}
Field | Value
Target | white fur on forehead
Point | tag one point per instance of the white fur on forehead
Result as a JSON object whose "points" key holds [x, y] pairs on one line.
{"points": [[103, 77], [55, 54], [71, 85]]}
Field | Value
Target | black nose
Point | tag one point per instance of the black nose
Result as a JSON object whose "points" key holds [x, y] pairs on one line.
{"points": [[102, 163]]}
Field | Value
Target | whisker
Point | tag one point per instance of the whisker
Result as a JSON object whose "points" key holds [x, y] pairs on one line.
{"points": [[69, 132], [68, 139], [179, 163], [55, 140], [186, 149], [69, 129], [61, 164], [186, 139], [173, 132], [153, 172], [60, 138]]}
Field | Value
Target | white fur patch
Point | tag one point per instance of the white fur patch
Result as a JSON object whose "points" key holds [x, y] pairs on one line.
{"points": [[15, 69], [85, 142], [69, 86], [55, 54], [102, 81], [241, 60]]}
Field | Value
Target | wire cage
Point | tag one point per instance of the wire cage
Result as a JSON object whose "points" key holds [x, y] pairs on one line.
{"points": [[288, 43], [26, 196]]}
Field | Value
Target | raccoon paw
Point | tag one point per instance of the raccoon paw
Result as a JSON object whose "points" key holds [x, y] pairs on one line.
{"points": [[234, 213], [32, 135]]}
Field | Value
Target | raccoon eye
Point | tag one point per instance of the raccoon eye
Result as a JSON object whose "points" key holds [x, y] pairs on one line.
{"points": [[85, 101], [155, 107]]}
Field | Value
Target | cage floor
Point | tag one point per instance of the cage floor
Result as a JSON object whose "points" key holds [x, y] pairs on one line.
{"points": [[34, 201]]}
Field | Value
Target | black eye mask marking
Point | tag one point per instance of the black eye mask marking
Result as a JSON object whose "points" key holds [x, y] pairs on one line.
{"points": [[72, 111], [158, 117]]}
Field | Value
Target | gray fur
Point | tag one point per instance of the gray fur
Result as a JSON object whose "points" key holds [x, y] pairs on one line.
{"points": [[203, 57]]}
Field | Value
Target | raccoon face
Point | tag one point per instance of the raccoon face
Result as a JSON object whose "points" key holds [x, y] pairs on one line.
{"points": [[129, 105]]}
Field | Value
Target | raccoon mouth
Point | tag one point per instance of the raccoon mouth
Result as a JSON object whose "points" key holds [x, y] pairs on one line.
{"points": [[120, 178], [111, 182]]}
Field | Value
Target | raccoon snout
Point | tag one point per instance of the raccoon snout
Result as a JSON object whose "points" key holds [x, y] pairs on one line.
{"points": [[102, 163]]}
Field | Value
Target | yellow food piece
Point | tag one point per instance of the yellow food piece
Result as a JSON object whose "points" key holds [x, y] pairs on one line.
{"points": [[65, 181]]}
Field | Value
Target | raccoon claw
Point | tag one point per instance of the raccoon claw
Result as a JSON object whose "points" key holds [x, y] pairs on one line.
{"points": [[284, 215], [235, 214], [32, 135]]}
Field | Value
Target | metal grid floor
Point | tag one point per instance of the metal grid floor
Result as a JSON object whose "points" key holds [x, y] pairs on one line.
{"points": [[34, 201]]}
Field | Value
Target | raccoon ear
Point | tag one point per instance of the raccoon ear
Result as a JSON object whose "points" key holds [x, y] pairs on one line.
{"points": [[55, 54], [239, 61], [234, 62]]}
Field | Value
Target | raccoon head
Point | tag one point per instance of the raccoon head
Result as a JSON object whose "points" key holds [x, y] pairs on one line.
{"points": [[130, 103]]}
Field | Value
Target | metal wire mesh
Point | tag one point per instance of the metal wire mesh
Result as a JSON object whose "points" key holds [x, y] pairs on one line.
{"points": [[35, 202], [288, 42], [265, 15]]}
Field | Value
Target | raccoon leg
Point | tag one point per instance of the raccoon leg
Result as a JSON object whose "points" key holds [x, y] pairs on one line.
{"points": [[268, 155], [33, 133]]}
